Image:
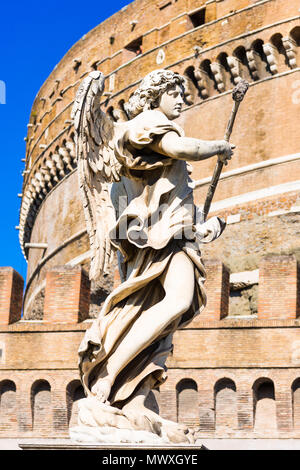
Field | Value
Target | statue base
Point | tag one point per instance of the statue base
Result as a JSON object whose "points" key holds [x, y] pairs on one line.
{"points": [[102, 423], [68, 444], [112, 435]]}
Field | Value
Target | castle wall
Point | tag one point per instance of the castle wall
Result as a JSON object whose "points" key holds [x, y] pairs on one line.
{"points": [[258, 41], [228, 376], [234, 371]]}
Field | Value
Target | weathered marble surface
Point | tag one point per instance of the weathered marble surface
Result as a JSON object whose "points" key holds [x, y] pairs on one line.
{"points": [[137, 194]]}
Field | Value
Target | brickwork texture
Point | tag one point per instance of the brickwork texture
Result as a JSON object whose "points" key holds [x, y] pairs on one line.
{"points": [[235, 370]]}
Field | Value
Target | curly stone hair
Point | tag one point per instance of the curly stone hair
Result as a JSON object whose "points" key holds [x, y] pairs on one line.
{"points": [[147, 95]]}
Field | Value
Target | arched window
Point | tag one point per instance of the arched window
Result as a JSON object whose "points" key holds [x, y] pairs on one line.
{"points": [[41, 407], [282, 61], [227, 76], [225, 405], [265, 422], [296, 403], [295, 35], [8, 408], [74, 393], [240, 54], [187, 402], [292, 46], [205, 66], [111, 112], [191, 86]]}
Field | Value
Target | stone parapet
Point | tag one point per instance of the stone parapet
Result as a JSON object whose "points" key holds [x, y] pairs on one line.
{"points": [[217, 291], [67, 295], [11, 295], [225, 374], [279, 287]]}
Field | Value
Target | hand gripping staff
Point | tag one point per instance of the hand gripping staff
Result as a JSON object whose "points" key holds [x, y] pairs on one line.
{"points": [[238, 94]]}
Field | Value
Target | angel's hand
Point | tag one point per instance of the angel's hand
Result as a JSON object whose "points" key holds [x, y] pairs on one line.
{"points": [[203, 231], [226, 151]]}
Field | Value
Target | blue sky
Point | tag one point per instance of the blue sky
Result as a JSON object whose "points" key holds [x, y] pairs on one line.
{"points": [[34, 37]]}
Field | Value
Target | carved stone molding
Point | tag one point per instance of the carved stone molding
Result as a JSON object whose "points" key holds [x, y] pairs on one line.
{"points": [[253, 60], [52, 168], [290, 47], [202, 80], [189, 91], [272, 57], [218, 72], [235, 68]]}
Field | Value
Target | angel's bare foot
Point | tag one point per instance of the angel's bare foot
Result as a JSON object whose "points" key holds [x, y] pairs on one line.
{"points": [[146, 419], [102, 389], [175, 432]]}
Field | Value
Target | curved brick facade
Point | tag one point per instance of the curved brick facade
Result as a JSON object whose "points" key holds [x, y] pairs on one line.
{"points": [[213, 44], [242, 355]]}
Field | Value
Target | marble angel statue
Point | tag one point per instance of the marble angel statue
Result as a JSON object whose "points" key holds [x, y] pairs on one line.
{"points": [[137, 194]]}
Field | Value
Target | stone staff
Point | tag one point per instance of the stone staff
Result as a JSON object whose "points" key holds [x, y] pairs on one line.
{"points": [[238, 94]]}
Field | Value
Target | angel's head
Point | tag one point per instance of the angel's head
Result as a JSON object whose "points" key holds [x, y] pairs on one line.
{"points": [[162, 89]]}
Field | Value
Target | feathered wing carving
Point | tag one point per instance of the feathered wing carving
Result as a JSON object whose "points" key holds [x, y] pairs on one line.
{"points": [[97, 168]]}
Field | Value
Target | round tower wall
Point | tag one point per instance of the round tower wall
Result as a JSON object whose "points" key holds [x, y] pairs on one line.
{"points": [[213, 48]]}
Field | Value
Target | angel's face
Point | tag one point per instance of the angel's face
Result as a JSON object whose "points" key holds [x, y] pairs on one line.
{"points": [[171, 101]]}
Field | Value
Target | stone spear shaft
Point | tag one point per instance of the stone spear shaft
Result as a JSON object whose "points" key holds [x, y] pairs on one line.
{"points": [[238, 94]]}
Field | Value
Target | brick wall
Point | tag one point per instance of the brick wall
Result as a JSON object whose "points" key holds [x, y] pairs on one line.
{"points": [[235, 371], [11, 295], [67, 295], [8, 408], [228, 402], [217, 289], [55, 208], [227, 377], [36, 404], [226, 406], [279, 287], [241, 402]]}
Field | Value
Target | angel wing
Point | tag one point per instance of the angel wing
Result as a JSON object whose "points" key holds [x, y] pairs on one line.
{"points": [[97, 168]]}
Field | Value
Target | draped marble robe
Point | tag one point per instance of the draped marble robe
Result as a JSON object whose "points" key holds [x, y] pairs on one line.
{"points": [[156, 218]]}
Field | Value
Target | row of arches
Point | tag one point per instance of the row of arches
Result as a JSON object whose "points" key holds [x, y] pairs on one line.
{"points": [[52, 168], [223, 412], [221, 416], [251, 62], [205, 77], [41, 405]]}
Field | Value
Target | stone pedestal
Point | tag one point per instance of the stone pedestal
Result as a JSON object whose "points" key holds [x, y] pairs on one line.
{"points": [[67, 444]]}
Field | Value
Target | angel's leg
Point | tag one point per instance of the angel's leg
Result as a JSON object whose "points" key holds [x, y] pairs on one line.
{"points": [[178, 283]]}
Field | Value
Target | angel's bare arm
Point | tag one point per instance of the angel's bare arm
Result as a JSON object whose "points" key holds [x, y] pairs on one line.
{"points": [[190, 149]]}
